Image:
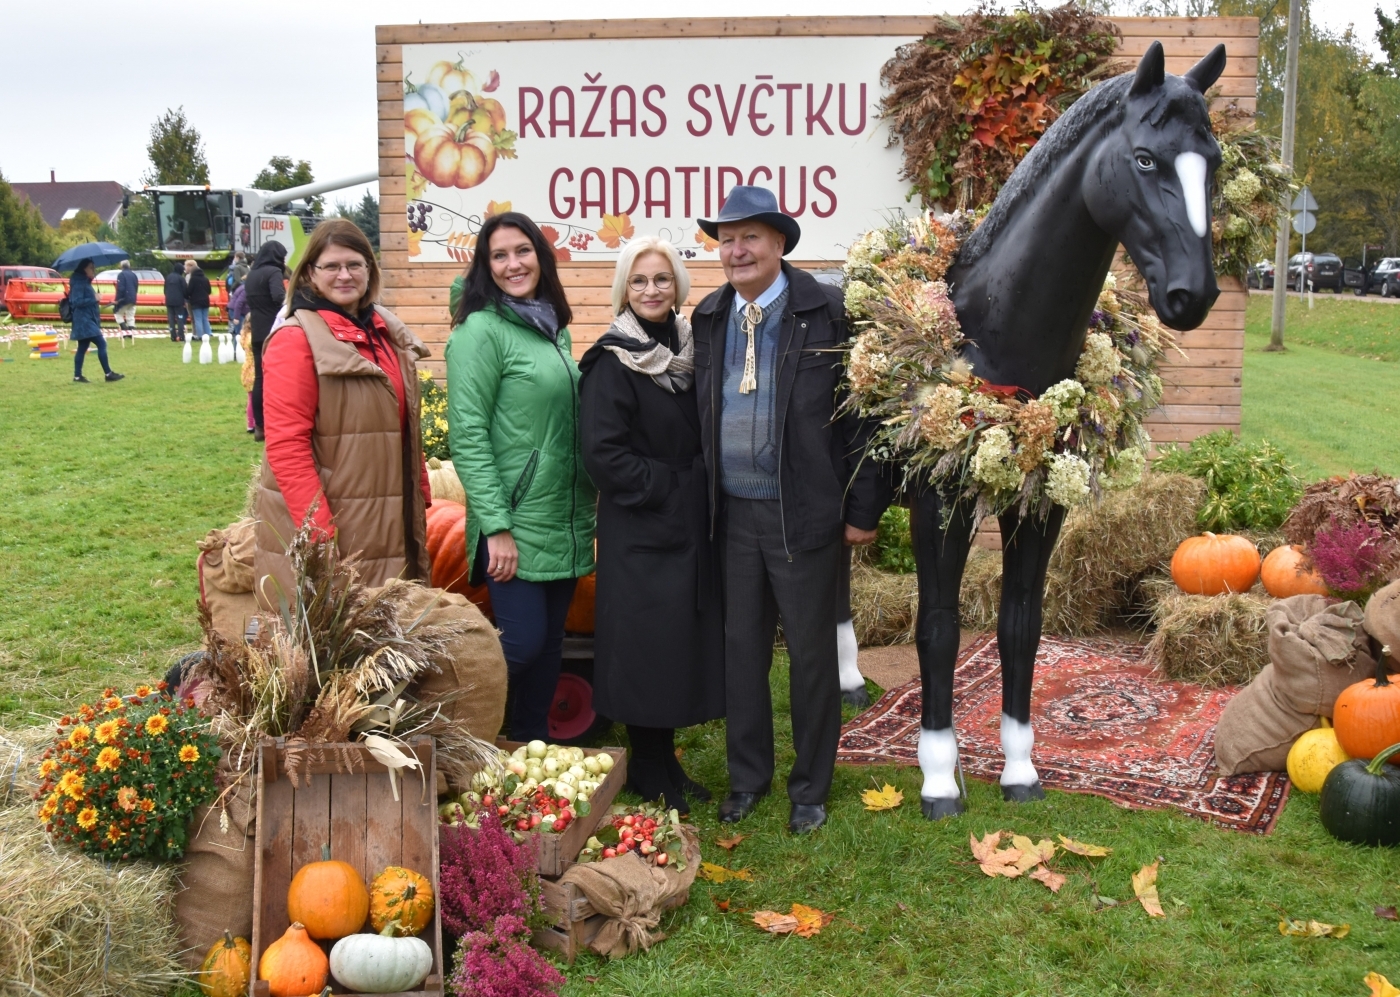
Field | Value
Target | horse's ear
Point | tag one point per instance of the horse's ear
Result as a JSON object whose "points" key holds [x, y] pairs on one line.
{"points": [[1151, 70], [1204, 73]]}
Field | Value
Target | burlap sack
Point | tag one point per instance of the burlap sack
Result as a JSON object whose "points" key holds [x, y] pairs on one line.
{"points": [[479, 664], [217, 873], [1382, 620], [227, 557], [632, 894], [1316, 649]]}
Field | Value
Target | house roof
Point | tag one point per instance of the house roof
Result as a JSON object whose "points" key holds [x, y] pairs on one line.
{"points": [[56, 201]]}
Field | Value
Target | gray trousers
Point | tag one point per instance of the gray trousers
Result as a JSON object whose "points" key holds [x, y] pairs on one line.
{"points": [[763, 583]]}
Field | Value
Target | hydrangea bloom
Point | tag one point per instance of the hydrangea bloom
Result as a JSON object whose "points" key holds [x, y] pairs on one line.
{"points": [[1064, 397], [993, 464], [1100, 362], [1125, 469], [1243, 189], [1067, 482]]}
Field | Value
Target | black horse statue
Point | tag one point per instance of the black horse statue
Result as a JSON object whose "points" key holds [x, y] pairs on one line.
{"points": [[1131, 162]]}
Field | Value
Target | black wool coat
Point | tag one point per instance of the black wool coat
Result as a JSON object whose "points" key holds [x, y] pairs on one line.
{"points": [[658, 639]]}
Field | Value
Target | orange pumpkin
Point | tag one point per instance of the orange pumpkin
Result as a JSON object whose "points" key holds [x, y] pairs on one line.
{"points": [[224, 971], [1367, 715], [402, 895], [1286, 573], [580, 618], [1211, 564], [294, 965], [329, 898], [447, 549]]}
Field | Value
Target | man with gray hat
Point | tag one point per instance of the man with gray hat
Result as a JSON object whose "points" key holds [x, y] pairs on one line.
{"points": [[788, 488]]}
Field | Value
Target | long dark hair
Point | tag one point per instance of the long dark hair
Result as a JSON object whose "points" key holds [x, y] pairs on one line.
{"points": [[481, 288]]}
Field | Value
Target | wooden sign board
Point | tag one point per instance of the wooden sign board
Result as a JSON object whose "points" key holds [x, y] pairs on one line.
{"points": [[599, 131]]}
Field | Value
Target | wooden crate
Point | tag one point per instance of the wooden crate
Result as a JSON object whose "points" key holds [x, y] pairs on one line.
{"points": [[341, 795], [576, 922], [558, 851]]}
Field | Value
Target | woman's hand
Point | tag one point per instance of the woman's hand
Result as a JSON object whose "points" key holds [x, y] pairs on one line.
{"points": [[502, 557]]}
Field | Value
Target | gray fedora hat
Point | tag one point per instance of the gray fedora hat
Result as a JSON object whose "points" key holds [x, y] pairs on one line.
{"points": [[754, 204]]}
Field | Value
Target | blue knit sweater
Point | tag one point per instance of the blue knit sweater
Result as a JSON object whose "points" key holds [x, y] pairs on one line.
{"points": [[748, 440]]}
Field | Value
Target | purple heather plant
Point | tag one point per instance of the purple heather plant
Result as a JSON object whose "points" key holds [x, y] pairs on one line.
{"points": [[500, 963], [484, 874], [1351, 557]]}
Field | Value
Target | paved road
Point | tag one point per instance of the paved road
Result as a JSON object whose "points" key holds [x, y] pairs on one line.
{"points": [[1374, 296]]}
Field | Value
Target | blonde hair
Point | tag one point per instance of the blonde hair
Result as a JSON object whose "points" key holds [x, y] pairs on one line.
{"points": [[634, 251], [333, 232]]}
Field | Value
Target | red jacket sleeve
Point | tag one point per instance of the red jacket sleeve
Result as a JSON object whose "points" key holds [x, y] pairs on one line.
{"points": [[290, 396], [423, 484]]}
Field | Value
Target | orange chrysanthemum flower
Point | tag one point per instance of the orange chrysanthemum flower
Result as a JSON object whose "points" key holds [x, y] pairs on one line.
{"points": [[80, 734], [87, 818], [114, 833], [109, 760], [47, 768], [142, 691], [156, 725], [107, 731], [126, 798], [147, 805], [50, 807], [112, 704], [189, 753], [71, 785]]}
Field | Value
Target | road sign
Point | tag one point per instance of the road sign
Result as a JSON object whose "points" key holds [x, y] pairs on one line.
{"points": [[1304, 222], [1305, 202]]}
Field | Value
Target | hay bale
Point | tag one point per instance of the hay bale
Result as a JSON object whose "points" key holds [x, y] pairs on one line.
{"points": [[884, 605], [1209, 639], [69, 925], [980, 595]]}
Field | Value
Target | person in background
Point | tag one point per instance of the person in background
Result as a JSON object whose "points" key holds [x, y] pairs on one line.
{"points": [[344, 449], [87, 322], [237, 273], [512, 409], [175, 303], [197, 292], [265, 290], [237, 309], [124, 304], [658, 639]]}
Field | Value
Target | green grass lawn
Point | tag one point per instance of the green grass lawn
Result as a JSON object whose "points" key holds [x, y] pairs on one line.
{"points": [[107, 487], [1326, 401]]}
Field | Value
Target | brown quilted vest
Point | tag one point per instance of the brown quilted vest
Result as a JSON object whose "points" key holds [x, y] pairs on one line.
{"points": [[370, 478]]}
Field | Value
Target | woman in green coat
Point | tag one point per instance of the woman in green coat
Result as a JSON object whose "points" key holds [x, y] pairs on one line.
{"points": [[513, 429]]}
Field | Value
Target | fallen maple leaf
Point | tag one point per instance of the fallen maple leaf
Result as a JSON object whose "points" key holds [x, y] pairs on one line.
{"points": [[775, 923], [992, 861], [882, 799], [1032, 853], [1387, 914], [810, 920], [1145, 886], [722, 874], [1380, 986], [729, 844], [1080, 848], [1295, 928], [615, 229], [1051, 879]]}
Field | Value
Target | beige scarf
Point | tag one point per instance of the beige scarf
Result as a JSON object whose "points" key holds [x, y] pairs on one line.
{"points": [[673, 372]]}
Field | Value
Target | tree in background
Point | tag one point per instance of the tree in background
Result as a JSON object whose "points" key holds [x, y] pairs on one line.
{"points": [[24, 238], [365, 214], [280, 173], [137, 235], [176, 151]]}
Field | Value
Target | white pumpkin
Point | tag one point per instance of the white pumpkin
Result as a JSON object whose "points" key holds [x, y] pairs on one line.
{"points": [[444, 483], [381, 964]]}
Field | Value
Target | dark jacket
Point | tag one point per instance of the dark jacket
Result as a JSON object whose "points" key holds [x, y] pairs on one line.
{"points": [[127, 285], [87, 318], [265, 289], [823, 481], [175, 290], [197, 289], [658, 640]]}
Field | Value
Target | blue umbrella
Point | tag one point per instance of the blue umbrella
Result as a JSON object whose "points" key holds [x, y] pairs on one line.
{"points": [[102, 254]]}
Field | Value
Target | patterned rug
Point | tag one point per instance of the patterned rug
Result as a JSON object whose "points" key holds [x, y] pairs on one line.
{"points": [[1103, 724]]}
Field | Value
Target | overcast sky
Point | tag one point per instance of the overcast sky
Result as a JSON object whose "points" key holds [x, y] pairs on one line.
{"points": [[82, 82]]}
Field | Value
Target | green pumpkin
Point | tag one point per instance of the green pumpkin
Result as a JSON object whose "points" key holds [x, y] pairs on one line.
{"points": [[1361, 800]]}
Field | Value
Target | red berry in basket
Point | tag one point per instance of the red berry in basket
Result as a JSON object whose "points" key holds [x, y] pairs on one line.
{"points": [[623, 848], [628, 820], [649, 824], [488, 800], [609, 853]]}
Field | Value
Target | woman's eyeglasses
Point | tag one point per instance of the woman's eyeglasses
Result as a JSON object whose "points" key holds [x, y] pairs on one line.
{"points": [[353, 269], [663, 282]]}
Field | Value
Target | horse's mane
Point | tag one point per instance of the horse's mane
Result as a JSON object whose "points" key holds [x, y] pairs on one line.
{"points": [[1100, 108]]}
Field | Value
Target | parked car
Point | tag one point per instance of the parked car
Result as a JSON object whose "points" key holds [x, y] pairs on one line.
{"points": [[110, 276], [1322, 270], [1381, 277], [9, 273], [1261, 275]]}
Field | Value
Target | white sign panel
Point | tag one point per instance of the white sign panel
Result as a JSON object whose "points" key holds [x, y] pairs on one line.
{"points": [[602, 140]]}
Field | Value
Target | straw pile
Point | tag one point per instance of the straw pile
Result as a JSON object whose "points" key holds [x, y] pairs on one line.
{"points": [[884, 605], [1208, 639], [69, 925]]}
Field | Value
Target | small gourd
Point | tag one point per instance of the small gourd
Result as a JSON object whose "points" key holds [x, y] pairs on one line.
{"points": [[1315, 754], [294, 965], [382, 963], [225, 969], [1212, 564], [1367, 713], [443, 482], [329, 898], [402, 895], [1361, 800], [1283, 574]]}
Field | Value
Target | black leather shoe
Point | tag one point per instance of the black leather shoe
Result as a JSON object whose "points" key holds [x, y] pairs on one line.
{"points": [[736, 806], [113, 376], [858, 698], [806, 817], [1023, 794], [941, 807]]}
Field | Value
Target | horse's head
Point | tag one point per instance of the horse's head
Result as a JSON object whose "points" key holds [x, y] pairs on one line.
{"points": [[1149, 185]]}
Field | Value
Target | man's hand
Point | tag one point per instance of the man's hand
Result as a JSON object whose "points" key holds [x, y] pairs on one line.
{"points": [[856, 537]]}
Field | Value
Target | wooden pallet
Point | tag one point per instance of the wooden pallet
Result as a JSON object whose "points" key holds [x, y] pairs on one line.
{"points": [[576, 922], [338, 793]]}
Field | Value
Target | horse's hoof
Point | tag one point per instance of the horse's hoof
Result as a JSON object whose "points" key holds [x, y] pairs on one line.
{"points": [[941, 807], [1023, 794]]}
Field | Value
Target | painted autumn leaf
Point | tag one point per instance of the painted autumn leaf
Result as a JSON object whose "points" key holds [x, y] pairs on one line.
{"points": [[810, 920], [1080, 848], [493, 80], [551, 234], [720, 874], [705, 242], [1380, 986], [1295, 928], [882, 799], [496, 208], [729, 844], [1145, 886], [775, 923], [993, 862], [1051, 879], [615, 229]]}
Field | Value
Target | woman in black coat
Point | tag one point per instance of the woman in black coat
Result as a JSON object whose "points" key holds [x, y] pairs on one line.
{"points": [[658, 640]]}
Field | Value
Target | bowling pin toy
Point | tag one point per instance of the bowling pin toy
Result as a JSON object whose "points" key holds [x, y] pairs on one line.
{"points": [[206, 352], [189, 351]]}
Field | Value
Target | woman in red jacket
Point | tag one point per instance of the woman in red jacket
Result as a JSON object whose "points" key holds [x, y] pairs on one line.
{"points": [[340, 410]]}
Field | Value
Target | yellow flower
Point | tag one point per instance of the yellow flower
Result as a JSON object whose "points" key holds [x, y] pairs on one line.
{"points": [[109, 760], [107, 731], [114, 833], [126, 798], [50, 807], [189, 753], [156, 724], [87, 818], [47, 768], [71, 785], [80, 734], [142, 691], [112, 704]]}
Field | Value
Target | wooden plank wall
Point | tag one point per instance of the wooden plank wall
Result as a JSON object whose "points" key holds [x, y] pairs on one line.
{"points": [[1202, 392]]}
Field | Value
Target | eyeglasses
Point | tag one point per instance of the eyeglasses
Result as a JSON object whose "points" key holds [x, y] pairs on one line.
{"points": [[663, 282], [353, 269]]}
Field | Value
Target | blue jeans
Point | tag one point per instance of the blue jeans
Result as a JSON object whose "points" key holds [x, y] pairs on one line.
{"points": [[100, 342], [235, 326], [530, 616], [199, 322]]}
